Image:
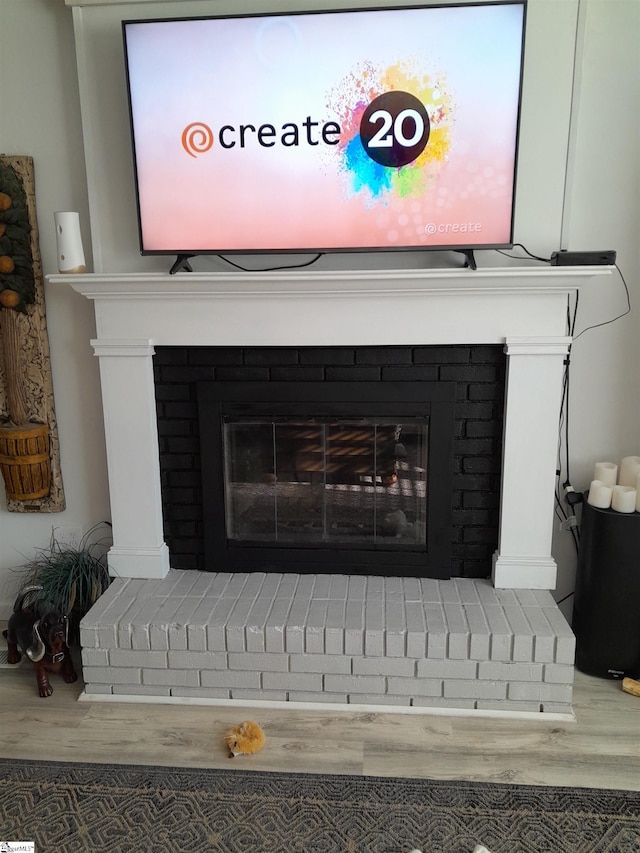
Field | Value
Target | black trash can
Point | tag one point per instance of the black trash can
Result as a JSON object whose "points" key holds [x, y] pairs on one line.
{"points": [[606, 613]]}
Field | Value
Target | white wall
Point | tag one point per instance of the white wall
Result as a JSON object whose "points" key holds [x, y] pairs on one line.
{"points": [[602, 211], [598, 208], [39, 116]]}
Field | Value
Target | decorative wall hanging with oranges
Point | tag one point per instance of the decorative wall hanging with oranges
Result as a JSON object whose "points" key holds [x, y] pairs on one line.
{"points": [[29, 453]]}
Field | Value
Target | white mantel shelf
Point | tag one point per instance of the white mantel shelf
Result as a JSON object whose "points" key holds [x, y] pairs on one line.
{"points": [[522, 308], [322, 308], [538, 279]]}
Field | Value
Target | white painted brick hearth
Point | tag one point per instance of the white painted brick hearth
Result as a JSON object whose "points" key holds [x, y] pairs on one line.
{"points": [[404, 642]]}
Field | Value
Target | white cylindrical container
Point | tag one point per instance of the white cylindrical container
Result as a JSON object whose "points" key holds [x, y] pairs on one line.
{"points": [[606, 472], [629, 470], [623, 499], [600, 494], [69, 242]]}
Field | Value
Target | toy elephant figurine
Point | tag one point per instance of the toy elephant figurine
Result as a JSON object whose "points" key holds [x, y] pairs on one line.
{"points": [[43, 638]]}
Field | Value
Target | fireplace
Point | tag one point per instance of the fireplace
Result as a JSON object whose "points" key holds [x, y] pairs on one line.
{"points": [[365, 640], [411, 438], [522, 309]]}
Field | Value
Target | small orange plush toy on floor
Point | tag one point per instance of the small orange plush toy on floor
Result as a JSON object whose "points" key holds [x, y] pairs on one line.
{"points": [[244, 739]]}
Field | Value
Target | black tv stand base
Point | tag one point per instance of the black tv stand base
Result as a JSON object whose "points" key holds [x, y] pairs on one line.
{"points": [[181, 263], [470, 260]]}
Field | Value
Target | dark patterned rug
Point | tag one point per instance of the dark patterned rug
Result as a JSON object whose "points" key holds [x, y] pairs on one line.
{"points": [[93, 807]]}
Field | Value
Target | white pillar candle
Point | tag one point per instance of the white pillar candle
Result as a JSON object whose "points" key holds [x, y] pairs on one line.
{"points": [[600, 495], [606, 472], [623, 499], [629, 470]]}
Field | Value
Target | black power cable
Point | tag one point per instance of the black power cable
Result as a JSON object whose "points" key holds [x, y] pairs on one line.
{"points": [[273, 269], [571, 497], [613, 319]]}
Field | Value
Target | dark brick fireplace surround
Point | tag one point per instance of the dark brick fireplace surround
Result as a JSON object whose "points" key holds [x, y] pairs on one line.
{"points": [[479, 375]]}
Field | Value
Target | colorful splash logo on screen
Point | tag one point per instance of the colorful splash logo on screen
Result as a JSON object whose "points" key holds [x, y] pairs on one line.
{"points": [[395, 129]]}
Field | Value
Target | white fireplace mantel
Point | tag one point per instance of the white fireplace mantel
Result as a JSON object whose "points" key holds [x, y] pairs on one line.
{"points": [[524, 309]]}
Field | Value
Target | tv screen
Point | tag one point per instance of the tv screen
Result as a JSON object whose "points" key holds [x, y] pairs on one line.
{"points": [[372, 129]]}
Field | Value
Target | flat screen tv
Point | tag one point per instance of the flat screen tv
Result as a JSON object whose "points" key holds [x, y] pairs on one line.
{"points": [[355, 130]]}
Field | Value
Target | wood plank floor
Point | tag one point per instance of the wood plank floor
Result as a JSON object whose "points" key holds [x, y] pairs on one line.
{"points": [[601, 749]]}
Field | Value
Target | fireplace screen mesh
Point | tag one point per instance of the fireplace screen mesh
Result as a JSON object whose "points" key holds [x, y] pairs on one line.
{"points": [[326, 481]]}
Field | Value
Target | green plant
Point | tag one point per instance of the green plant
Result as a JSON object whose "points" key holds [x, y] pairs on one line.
{"points": [[71, 578]]}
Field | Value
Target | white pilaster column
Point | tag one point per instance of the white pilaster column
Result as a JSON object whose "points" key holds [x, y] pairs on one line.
{"points": [[531, 422], [128, 398]]}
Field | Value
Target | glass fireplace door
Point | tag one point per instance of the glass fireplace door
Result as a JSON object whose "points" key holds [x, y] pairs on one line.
{"points": [[336, 477], [319, 481]]}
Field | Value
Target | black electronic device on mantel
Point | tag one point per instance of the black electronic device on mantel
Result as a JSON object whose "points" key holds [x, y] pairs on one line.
{"points": [[358, 130]]}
